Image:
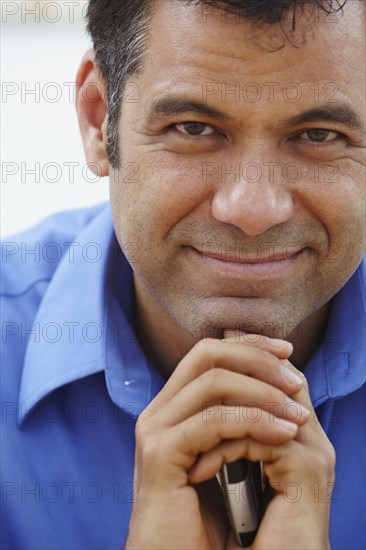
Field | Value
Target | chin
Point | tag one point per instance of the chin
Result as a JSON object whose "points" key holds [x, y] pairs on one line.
{"points": [[215, 325]]}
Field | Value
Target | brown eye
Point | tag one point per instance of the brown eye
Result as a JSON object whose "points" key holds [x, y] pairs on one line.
{"points": [[195, 128], [319, 135]]}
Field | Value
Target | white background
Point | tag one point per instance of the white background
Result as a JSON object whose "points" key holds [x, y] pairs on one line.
{"points": [[41, 51]]}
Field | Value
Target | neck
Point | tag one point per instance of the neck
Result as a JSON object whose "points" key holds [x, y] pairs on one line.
{"points": [[308, 335], [165, 342]]}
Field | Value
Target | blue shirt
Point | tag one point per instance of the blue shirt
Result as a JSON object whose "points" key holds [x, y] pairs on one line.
{"points": [[74, 380]]}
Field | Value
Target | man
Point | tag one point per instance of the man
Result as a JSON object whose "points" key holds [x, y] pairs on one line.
{"points": [[233, 134]]}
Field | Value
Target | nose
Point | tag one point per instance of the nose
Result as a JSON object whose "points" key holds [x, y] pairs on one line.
{"points": [[253, 197]]}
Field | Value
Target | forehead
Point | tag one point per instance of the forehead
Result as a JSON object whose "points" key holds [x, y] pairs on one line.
{"points": [[190, 45]]}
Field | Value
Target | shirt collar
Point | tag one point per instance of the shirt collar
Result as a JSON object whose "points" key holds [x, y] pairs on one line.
{"points": [[337, 368], [81, 329]]}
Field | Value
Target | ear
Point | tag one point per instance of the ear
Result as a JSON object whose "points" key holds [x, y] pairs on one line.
{"points": [[92, 111]]}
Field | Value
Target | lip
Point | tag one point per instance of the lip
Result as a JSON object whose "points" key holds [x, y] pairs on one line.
{"points": [[277, 263]]}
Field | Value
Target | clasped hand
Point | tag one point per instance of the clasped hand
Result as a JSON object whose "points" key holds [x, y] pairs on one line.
{"points": [[228, 399]]}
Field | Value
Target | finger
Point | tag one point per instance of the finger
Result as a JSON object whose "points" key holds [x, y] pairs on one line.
{"points": [[223, 387], [281, 348], [286, 463], [313, 430], [302, 396], [210, 463], [210, 354], [198, 435], [288, 458]]}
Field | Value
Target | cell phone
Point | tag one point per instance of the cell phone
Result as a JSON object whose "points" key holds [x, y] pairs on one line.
{"points": [[242, 486]]}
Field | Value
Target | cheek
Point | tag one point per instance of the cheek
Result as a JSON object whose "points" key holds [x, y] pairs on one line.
{"points": [[168, 189], [145, 211], [340, 206], [345, 215]]}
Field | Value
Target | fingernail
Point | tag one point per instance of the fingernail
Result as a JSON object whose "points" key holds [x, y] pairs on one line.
{"points": [[295, 411], [291, 376], [288, 426], [277, 343]]}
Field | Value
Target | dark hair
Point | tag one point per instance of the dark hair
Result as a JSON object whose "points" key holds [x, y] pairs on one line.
{"points": [[119, 31]]}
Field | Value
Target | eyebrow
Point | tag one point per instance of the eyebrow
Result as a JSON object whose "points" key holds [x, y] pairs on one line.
{"points": [[341, 113], [172, 105]]}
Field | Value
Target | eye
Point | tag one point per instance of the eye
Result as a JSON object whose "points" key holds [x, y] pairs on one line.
{"points": [[194, 128], [318, 135]]}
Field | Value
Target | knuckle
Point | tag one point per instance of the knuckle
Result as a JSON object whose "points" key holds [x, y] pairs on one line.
{"points": [[150, 449], [205, 351], [212, 378], [207, 342], [141, 429], [205, 345], [304, 380], [141, 419], [324, 461], [331, 457]]}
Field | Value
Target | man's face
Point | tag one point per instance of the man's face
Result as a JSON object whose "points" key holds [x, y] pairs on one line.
{"points": [[265, 170]]}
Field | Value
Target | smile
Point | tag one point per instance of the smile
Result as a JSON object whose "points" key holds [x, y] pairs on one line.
{"points": [[231, 264]]}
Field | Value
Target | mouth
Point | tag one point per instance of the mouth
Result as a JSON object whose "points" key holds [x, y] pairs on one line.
{"points": [[275, 263], [264, 259]]}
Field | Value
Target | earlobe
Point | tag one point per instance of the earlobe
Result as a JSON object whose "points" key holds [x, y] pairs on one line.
{"points": [[92, 111]]}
